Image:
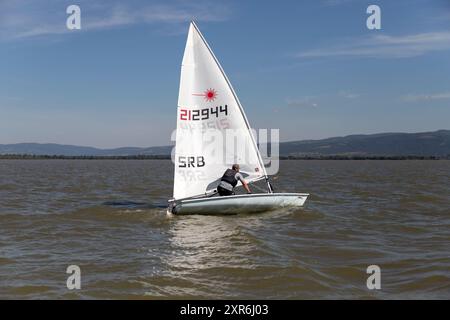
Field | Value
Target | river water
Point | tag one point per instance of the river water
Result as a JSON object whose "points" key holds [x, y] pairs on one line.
{"points": [[108, 217]]}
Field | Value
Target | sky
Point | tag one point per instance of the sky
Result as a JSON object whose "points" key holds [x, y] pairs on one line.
{"points": [[310, 68]]}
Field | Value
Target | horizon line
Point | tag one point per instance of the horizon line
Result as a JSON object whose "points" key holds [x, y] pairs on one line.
{"points": [[171, 145]]}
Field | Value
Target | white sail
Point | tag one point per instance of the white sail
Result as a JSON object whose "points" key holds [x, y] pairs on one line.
{"points": [[208, 110]]}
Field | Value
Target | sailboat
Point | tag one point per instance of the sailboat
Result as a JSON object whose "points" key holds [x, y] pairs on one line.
{"points": [[208, 108]]}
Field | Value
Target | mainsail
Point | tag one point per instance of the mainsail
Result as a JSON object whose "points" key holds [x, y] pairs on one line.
{"points": [[212, 129]]}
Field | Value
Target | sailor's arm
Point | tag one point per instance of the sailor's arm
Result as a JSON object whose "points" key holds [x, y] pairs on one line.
{"points": [[245, 184]]}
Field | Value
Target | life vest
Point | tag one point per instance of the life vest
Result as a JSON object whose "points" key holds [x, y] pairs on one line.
{"points": [[229, 176]]}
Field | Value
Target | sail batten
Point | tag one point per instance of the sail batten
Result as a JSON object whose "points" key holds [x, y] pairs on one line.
{"points": [[208, 110]]}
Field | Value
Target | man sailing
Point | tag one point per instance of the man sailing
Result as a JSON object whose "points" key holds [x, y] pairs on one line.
{"points": [[229, 180]]}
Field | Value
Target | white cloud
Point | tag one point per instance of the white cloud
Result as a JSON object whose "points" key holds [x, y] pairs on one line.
{"points": [[385, 46], [333, 3], [348, 95], [24, 19], [306, 102], [426, 97]]}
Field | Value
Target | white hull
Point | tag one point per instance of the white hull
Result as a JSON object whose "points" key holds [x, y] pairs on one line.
{"points": [[245, 203]]}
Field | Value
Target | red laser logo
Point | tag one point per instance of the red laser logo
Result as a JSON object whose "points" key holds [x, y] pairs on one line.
{"points": [[209, 95]]}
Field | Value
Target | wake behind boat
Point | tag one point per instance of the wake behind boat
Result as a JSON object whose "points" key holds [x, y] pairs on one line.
{"points": [[208, 109]]}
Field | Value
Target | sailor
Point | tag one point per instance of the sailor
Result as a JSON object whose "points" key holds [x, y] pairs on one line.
{"points": [[230, 179]]}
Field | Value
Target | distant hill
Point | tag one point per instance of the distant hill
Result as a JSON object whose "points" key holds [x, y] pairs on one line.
{"points": [[69, 150], [435, 143]]}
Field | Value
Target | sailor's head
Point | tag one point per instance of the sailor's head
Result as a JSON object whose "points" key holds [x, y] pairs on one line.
{"points": [[235, 167]]}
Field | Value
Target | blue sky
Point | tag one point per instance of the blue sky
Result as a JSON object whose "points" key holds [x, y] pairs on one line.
{"points": [[310, 68]]}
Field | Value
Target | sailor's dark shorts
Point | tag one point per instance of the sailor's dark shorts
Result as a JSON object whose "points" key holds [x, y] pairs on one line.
{"points": [[224, 192]]}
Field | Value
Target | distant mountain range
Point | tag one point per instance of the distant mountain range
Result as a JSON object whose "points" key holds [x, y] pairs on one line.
{"points": [[70, 150], [435, 143]]}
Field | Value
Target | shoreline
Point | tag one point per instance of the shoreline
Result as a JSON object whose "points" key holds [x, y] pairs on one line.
{"points": [[167, 157]]}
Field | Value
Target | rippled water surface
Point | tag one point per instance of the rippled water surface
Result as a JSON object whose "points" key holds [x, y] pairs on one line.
{"points": [[109, 218]]}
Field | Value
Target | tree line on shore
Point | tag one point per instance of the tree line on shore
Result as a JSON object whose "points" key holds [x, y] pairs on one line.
{"points": [[167, 157]]}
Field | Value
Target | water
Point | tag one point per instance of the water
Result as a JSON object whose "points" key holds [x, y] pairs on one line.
{"points": [[109, 218]]}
